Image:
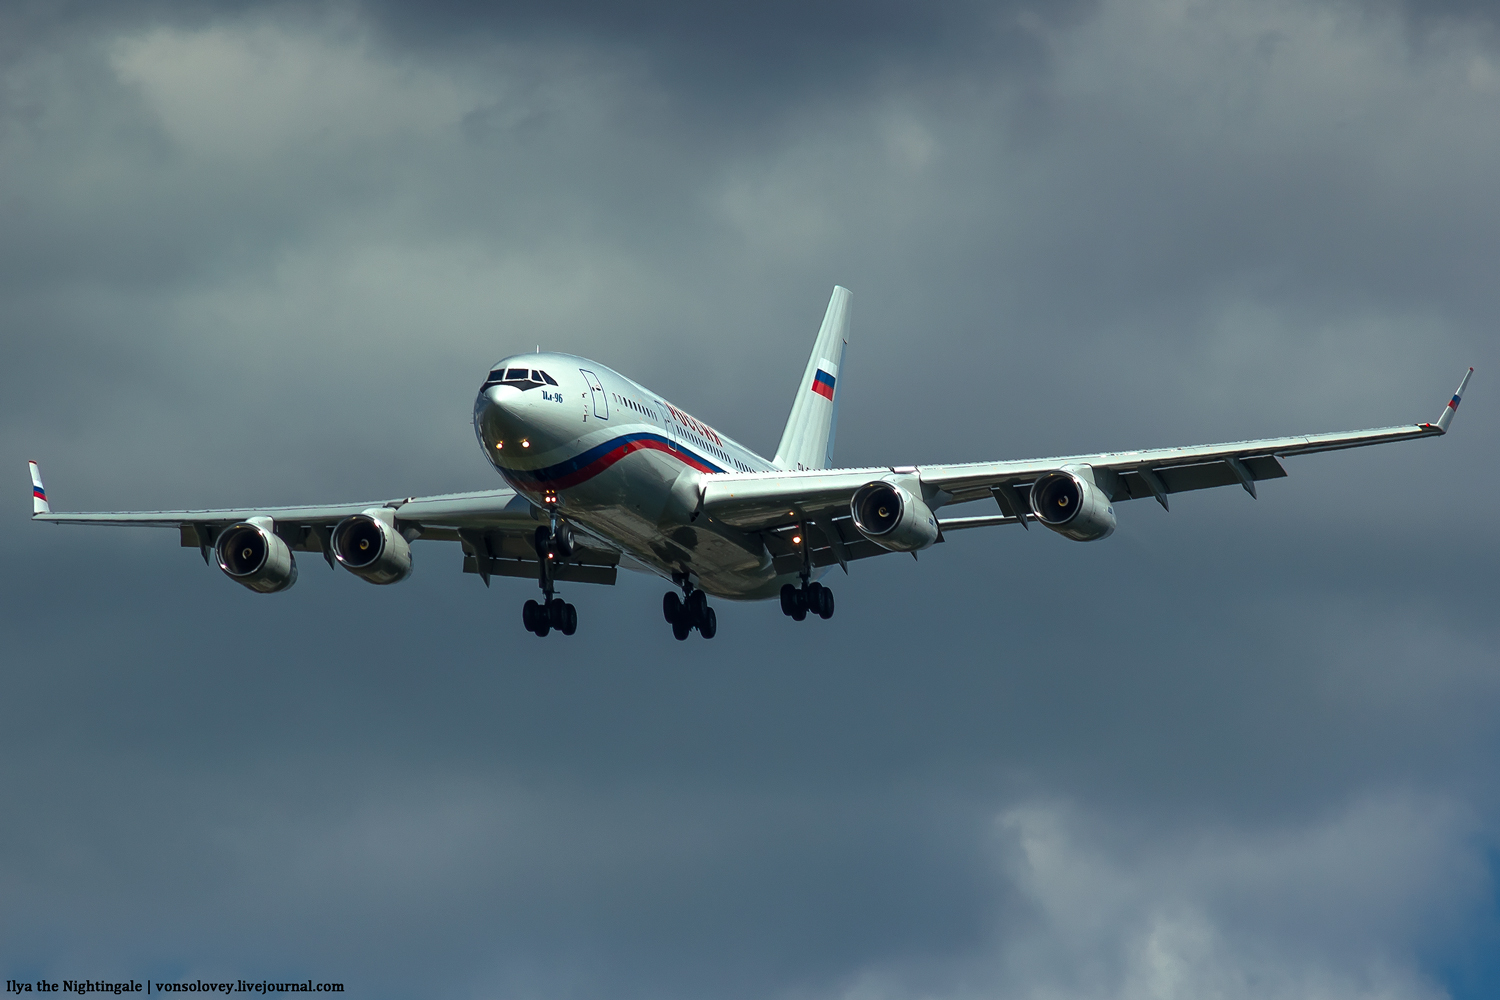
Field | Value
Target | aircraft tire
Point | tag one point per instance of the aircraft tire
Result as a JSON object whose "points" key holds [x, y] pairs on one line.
{"points": [[709, 627], [825, 603], [680, 630], [557, 612], [788, 600], [528, 615], [697, 608], [570, 620], [671, 607]]}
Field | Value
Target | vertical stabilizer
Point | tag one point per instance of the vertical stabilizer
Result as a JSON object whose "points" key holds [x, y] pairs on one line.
{"points": [[807, 442]]}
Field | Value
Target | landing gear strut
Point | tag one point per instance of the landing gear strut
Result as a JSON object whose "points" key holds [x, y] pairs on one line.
{"points": [[689, 612], [811, 598], [551, 612]]}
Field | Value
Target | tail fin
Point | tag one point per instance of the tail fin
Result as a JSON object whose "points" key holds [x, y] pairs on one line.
{"points": [[807, 442]]}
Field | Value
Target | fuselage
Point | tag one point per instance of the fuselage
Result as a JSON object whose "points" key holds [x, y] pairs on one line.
{"points": [[621, 462]]}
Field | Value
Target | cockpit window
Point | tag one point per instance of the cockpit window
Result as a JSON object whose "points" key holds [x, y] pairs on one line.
{"points": [[520, 378]]}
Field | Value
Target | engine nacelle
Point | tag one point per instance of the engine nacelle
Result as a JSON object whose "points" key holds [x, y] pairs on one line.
{"points": [[1071, 505], [371, 549], [254, 556], [892, 518]]}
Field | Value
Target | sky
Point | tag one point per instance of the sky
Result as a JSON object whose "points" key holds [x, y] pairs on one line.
{"points": [[261, 253]]}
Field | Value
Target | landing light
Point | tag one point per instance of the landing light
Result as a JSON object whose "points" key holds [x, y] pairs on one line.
{"points": [[525, 444], [796, 539], [499, 445]]}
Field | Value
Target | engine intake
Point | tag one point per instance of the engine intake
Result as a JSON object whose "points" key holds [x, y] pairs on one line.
{"points": [[1071, 505], [371, 549], [892, 518], [255, 557]]}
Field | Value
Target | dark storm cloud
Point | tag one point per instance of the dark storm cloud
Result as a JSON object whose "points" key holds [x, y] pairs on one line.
{"points": [[260, 254]]}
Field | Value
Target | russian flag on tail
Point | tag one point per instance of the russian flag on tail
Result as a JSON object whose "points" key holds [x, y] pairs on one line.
{"points": [[824, 379]]}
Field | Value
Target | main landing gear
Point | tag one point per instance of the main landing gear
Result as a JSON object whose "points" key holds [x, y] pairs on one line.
{"points": [[542, 617], [684, 615], [552, 541], [811, 598]]}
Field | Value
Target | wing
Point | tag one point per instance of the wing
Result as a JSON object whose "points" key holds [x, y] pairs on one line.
{"points": [[495, 528], [777, 502]]}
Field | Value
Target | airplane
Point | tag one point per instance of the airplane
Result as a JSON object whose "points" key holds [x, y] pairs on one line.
{"points": [[602, 473]]}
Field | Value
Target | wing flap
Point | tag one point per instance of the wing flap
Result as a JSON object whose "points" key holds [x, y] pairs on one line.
{"points": [[563, 573], [1206, 475]]}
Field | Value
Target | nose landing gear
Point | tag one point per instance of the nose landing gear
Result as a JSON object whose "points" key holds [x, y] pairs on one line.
{"points": [[811, 598], [689, 614], [552, 612]]}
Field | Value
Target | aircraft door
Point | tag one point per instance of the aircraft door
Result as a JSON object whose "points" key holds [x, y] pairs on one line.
{"points": [[601, 400]]}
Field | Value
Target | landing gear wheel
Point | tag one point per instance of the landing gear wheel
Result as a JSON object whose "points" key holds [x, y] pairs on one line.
{"points": [[680, 630], [799, 605], [570, 620], [709, 626], [788, 600], [825, 603], [557, 612], [697, 607], [530, 612], [671, 607]]}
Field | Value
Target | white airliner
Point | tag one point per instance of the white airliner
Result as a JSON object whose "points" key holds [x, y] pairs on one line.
{"points": [[603, 473]]}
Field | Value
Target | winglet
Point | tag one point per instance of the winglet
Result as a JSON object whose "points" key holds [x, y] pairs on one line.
{"points": [[1452, 407], [38, 493]]}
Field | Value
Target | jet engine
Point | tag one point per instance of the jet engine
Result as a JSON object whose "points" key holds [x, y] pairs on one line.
{"points": [[892, 518], [1071, 505], [371, 549], [254, 556]]}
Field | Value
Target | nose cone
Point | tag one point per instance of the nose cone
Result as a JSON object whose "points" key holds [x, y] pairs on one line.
{"points": [[513, 425], [499, 419]]}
